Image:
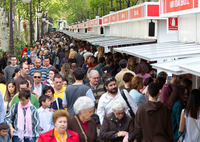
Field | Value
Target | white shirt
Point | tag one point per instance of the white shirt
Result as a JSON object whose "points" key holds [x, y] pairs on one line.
{"points": [[105, 104], [38, 89], [45, 117]]}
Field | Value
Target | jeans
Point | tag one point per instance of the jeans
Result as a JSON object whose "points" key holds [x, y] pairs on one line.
{"points": [[16, 139]]}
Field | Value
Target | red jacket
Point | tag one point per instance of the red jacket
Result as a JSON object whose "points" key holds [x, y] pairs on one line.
{"points": [[49, 136]]}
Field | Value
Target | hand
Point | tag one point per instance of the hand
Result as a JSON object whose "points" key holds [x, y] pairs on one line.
{"points": [[36, 93], [12, 130], [122, 133], [51, 109], [36, 140], [125, 139]]}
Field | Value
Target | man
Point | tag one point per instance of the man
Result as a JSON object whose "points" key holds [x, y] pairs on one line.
{"points": [[39, 67], [24, 84], [96, 86], [23, 74], [87, 64], [108, 68], [106, 100], [76, 90], [24, 50], [100, 65], [79, 57], [25, 55], [33, 54], [153, 122], [167, 88], [47, 63], [9, 70], [59, 89], [2, 109], [37, 85], [87, 52], [119, 76], [163, 74]]}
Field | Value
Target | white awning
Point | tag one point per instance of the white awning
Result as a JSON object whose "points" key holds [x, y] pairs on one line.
{"points": [[166, 50]]}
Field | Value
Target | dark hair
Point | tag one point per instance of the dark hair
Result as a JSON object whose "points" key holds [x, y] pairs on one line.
{"points": [[162, 74], [39, 53], [2, 78], [177, 95], [24, 93], [109, 60], [87, 48], [54, 70], [122, 63], [13, 56], [57, 76], [187, 83], [15, 71], [7, 96], [108, 80], [193, 104], [43, 98], [24, 82], [46, 88], [101, 59], [147, 81], [37, 72], [4, 126], [23, 60], [128, 77], [160, 81], [142, 68], [79, 73], [153, 89], [47, 57]]}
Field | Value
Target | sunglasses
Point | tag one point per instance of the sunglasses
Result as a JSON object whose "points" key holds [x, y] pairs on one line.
{"points": [[110, 79], [37, 76]]}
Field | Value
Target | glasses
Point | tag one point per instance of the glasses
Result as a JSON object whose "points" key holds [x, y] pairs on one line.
{"points": [[95, 78], [37, 76]]}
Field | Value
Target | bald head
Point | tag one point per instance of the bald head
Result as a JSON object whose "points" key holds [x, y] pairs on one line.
{"points": [[38, 63]]}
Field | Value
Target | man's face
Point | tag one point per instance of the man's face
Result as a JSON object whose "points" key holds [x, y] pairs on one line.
{"points": [[58, 83], [94, 79], [46, 62], [37, 78], [112, 87], [23, 86], [4, 132], [25, 55], [38, 63], [13, 61], [24, 70]]}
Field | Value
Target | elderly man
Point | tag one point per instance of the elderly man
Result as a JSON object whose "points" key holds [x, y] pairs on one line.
{"points": [[39, 67], [96, 86], [37, 85], [59, 89]]}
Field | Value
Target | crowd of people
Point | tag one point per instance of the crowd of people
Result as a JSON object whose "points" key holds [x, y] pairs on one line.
{"points": [[64, 89]]}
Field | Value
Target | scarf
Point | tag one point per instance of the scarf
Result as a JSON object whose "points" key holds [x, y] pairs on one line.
{"points": [[57, 135], [20, 121]]}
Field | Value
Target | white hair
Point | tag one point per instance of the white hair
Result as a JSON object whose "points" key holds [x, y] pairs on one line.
{"points": [[119, 104], [82, 104], [92, 72]]}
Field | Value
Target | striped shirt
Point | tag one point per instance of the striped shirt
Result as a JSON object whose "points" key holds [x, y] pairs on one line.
{"points": [[43, 70]]}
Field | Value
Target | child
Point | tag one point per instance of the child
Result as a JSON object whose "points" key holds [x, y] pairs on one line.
{"points": [[4, 137], [45, 115]]}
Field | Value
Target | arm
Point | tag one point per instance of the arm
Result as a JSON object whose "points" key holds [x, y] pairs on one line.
{"points": [[2, 109], [64, 102], [182, 123], [90, 94], [138, 125], [101, 110], [36, 122], [131, 101], [5, 74]]}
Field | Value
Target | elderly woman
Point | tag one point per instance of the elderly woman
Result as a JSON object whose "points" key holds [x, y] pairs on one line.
{"points": [[117, 126], [60, 133], [82, 122]]}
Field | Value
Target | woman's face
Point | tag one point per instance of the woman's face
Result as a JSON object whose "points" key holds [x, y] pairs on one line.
{"points": [[51, 75], [41, 53], [119, 114], [65, 84], [11, 88], [87, 114], [61, 124], [49, 93], [17, 74]]}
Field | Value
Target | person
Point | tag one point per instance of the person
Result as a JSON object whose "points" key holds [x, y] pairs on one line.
{"points": [[100, 65], [61, 55], [25, 56], [52, 73], [40, 55], [11, 90], [160, 81], [87, 53], [29, 51], [24, 50], [119, 76], [9, 70], [47, 63], [39, 67], [187, 83], [79, 57], [76, 90], [59, 89], [137, 84], [65, 82], [2, 84], [127, 79], [131, 63], [146, 83], [67, 73], [3, 62], [153, 120], [108, 68], [16, 73], [37, 85], [167, 88], [117, 125], [163, 74], [142, 71], [176, 103], [65, 59], [24, 84], [2, 108], [94, 61], [27, 130], [113, 93], [33, 54], [82, 122], [4, 136], [96, 86], [72, 58], [56, 103], [45, 115], [23, 74], [32, 65], [87, 64], [60, 132], [190, 118]]}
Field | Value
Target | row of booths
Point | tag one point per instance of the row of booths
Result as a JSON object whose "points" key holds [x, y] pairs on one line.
{"points": [[166, 32]]}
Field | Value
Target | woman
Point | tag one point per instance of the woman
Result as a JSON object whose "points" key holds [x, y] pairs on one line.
{"points": [[190, 117], [137, 84], [16, 73], [72, 56], [56, 103], [2, 84], [65, 59], [176, 103], [82, 122], [142, 71], [11, 90], [49, 82], [127, 79], [117, 125], [93, 61], [160, 81], [40, 55], [60, 133], [67, 73], [20, 130], [146, 84]]}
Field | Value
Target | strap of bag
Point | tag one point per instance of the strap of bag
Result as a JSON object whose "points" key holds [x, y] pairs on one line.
{"points": [[197, 128], [57, 103], [81, 129], [130, 109]]}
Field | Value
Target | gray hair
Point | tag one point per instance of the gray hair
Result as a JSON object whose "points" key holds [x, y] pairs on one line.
{"points": [[119, 104], [92, 72], [82, 104]]}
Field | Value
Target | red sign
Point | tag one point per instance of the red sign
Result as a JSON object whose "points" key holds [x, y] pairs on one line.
{"points": [[173, 24], [178, 5], [123, 15], [89, 29], [100, 21], [153, 10], [113, 18], [106, 20], [137, 12]]}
